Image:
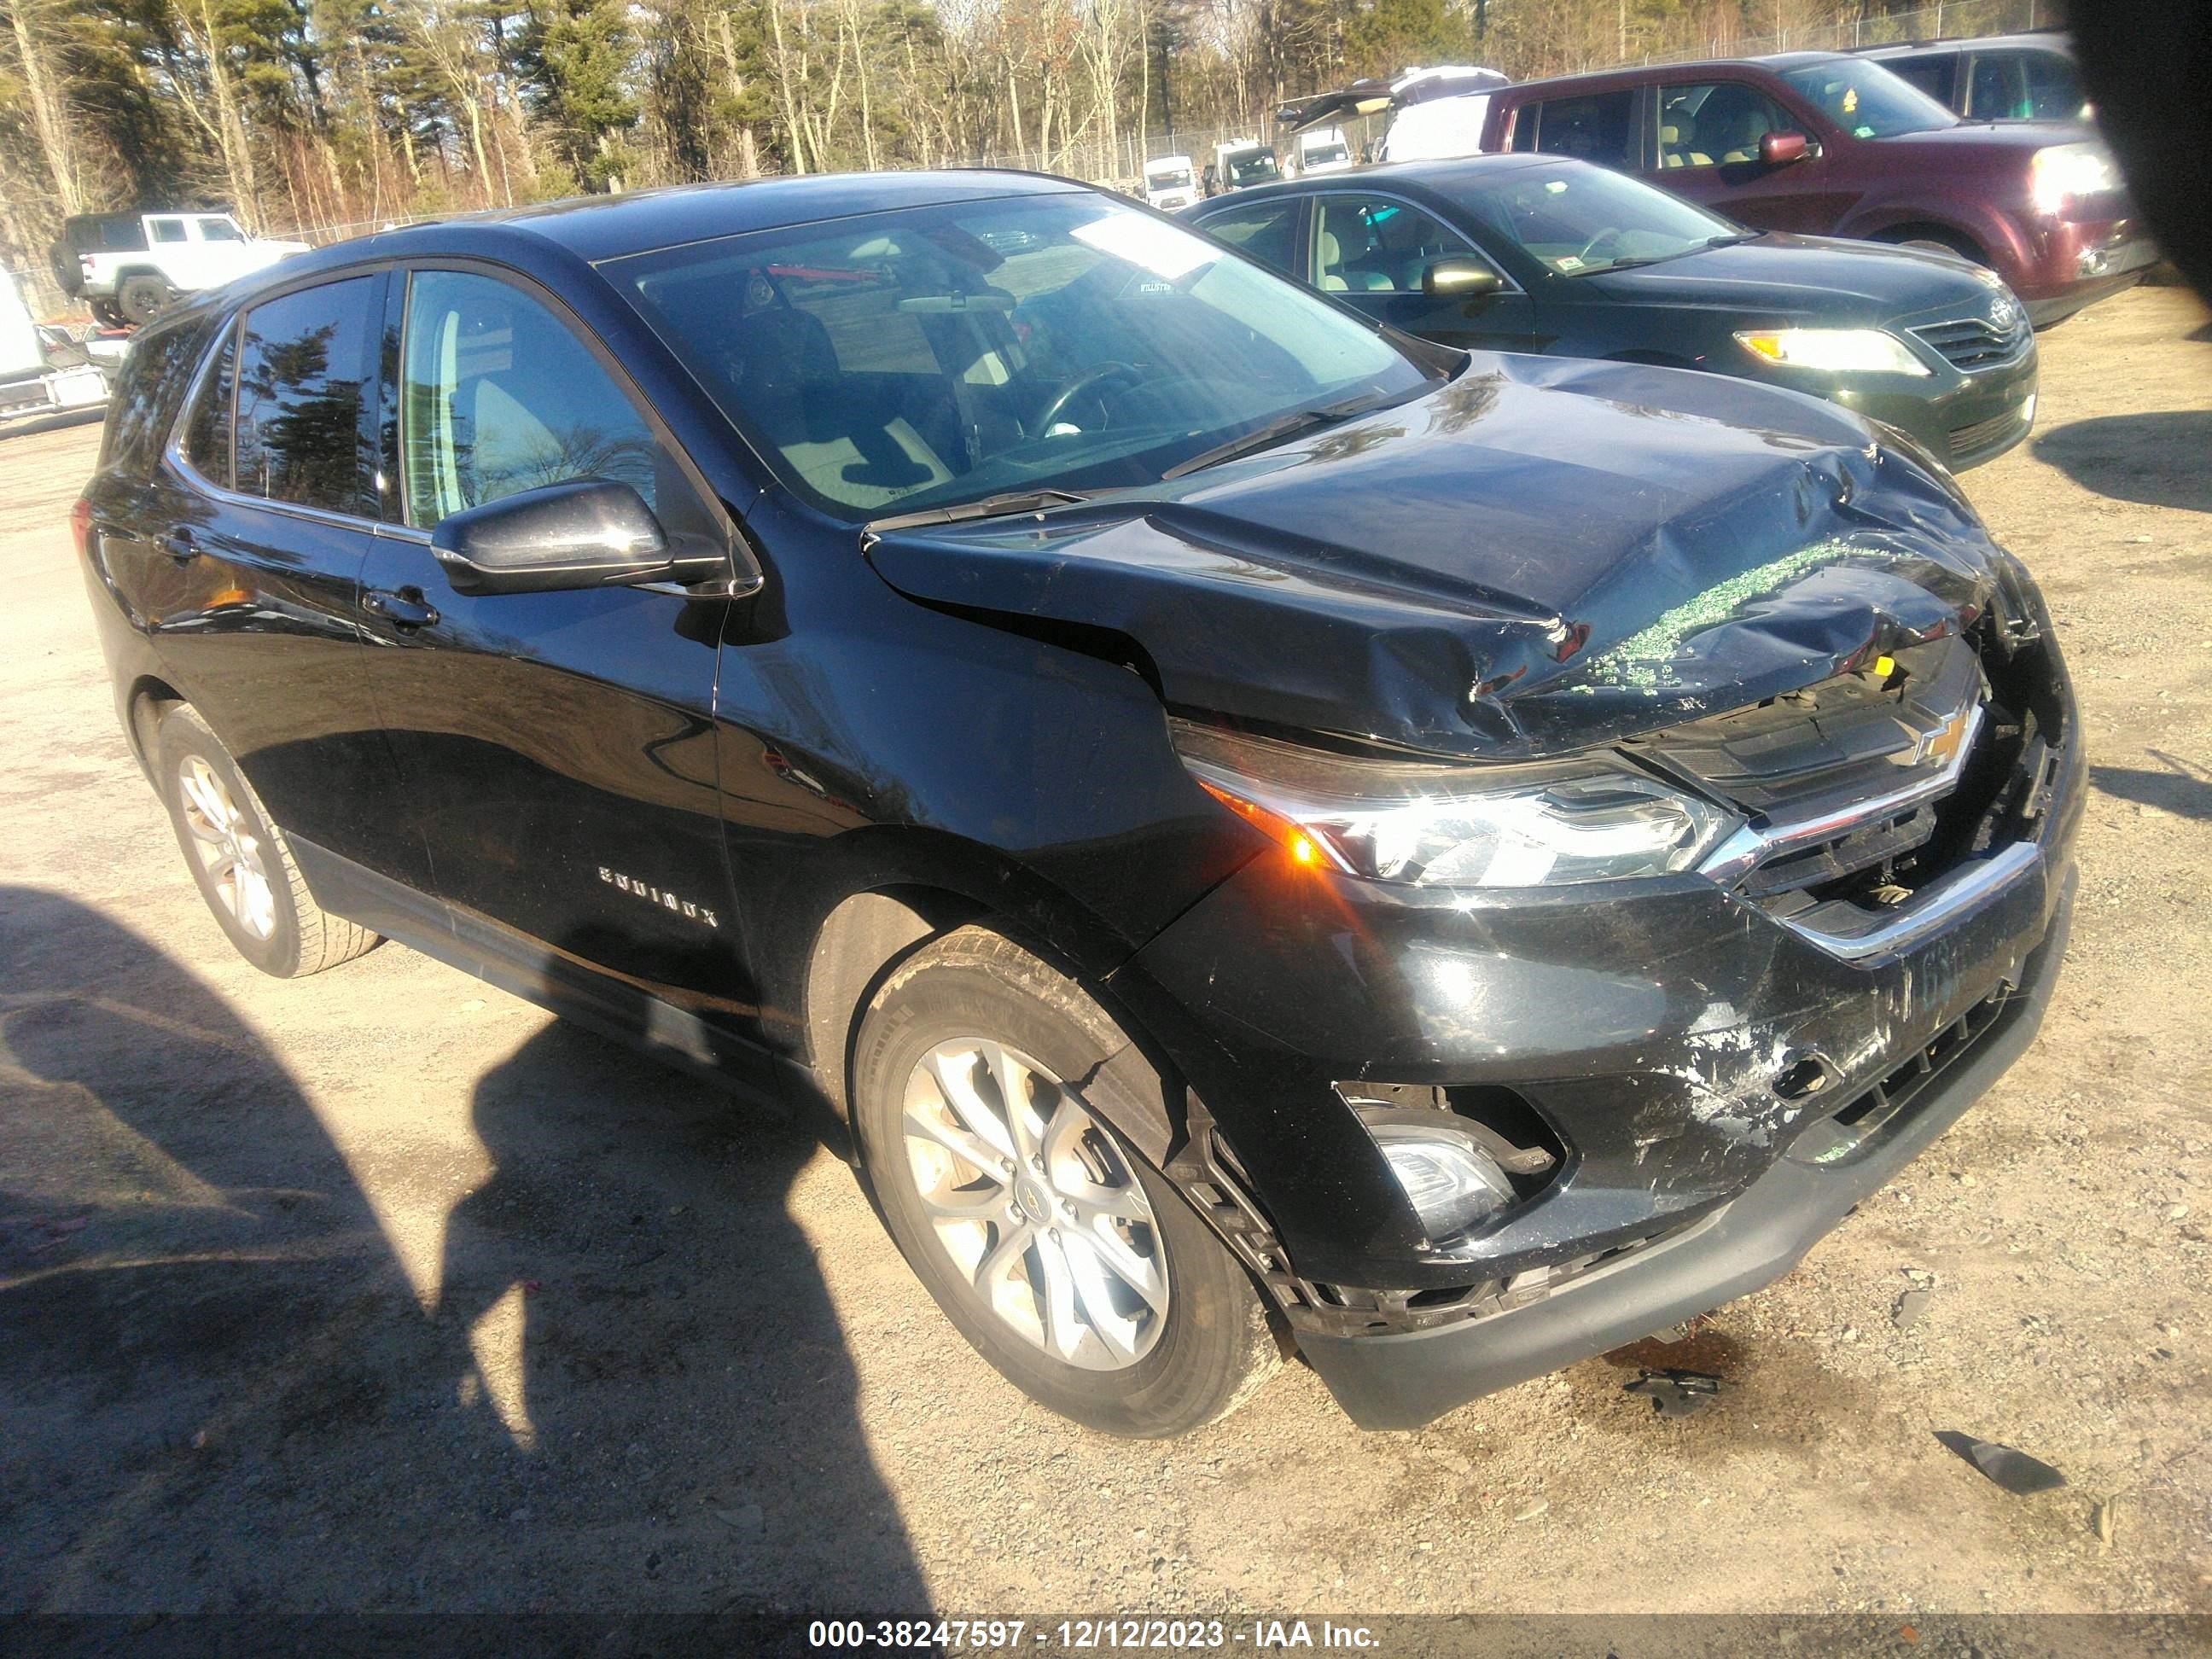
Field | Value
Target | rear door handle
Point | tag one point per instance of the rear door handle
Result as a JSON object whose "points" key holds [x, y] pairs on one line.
{"points": [[179, 545], [404, 609]]}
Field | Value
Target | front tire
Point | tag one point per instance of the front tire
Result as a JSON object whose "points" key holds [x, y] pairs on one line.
{"points": [[240, 859], [983, 1085]]}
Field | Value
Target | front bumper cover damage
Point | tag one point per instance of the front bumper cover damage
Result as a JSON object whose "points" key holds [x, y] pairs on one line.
{"points": [[1402, 1380]]}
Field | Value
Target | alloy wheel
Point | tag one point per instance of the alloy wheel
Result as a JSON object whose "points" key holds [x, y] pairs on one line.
{"points": [[228, 849], [1036, 1204]]}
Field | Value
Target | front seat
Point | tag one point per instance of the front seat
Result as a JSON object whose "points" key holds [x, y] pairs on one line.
{"points": [[789, 382], [1335, 278], [1731, 125], [1678, 141]]}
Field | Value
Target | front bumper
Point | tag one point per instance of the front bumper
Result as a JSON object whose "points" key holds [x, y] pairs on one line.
{"points": [[1970, 420], [2075, 263], [1962, 416], [1403, 1379]]}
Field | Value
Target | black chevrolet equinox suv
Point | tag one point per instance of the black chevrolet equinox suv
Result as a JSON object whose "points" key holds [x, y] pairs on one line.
{"points": [[1268, 834]]}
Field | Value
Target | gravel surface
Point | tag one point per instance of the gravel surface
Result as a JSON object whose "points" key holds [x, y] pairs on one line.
{"points": [[381, 1291]]}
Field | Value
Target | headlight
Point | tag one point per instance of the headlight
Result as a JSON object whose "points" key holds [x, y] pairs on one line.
{"points": [[1837, 350], [2057, 175], [1445, 825]]}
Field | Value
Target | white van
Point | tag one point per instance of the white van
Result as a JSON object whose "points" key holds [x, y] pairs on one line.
{"points": [[33, 380], [1170, 183], [1323, 150]]}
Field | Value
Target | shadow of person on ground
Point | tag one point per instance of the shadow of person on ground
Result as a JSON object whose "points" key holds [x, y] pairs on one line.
{"points": [[2182, 789], [2157, 459], [222, 1392], [635, 1243]]}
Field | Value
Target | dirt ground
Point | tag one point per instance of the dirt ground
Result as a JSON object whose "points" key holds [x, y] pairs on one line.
{"points": [[380, 1290]]}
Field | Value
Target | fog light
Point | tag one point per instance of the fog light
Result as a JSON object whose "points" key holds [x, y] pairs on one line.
{"points": [[1450, 1180]]}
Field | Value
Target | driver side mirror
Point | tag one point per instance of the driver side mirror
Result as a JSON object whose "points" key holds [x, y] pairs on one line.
{"points": [[1459, 279], [1777, 148], [586, 532]]}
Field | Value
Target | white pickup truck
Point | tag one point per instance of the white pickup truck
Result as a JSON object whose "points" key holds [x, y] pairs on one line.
{"points": [[128, 265]]}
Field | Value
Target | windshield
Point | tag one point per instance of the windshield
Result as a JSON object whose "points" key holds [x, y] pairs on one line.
{"points": [[1323, 154], [1866, 101], [1175, 179], [897, 361], [1256, 168], [1579, 219]]}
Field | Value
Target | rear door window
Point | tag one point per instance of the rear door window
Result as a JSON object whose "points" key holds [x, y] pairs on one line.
{"points": [[306, 371], [168, 230], [1996, 90], [1598, 127], [1268, 232], [1714, 123]]}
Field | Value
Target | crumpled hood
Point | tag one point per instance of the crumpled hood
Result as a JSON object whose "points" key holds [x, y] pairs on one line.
{"points": [[1540, 554]]}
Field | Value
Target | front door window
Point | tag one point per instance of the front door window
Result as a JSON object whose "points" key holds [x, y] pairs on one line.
{"points": [[1376, 245]]}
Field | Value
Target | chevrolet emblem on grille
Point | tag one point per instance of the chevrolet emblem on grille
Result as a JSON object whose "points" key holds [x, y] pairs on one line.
{"points": [[1941, 745]]}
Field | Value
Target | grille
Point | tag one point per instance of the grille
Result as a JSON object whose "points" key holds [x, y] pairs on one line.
{"points": [[1845, 740], [1972, 342], [1972, 439]]}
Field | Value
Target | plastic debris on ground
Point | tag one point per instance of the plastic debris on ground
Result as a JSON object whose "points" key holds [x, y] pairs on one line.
{"points": [[2013, 1470], [1674, 1393]]}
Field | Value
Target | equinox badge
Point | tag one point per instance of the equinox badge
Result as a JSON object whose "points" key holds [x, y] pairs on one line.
{"points": [[653, 895]]}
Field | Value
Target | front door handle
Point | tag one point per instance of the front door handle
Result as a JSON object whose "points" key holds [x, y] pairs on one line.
{"points": [[179, 545], [405, 609]]}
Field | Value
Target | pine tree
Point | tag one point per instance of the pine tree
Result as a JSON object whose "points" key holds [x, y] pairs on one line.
{"points": [[575, 56]]}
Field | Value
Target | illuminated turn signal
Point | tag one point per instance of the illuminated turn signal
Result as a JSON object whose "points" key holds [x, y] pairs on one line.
{"points": [[1305, 852]]}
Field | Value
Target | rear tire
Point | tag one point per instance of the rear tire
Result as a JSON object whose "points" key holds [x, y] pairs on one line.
{"points": [[141, 299], [1079, 1272], [240, 859]]}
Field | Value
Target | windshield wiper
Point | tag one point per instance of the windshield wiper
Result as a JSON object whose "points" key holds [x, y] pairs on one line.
{"points": [[1275, 431], [985, 506], [1647, 259], [1734, 238]]}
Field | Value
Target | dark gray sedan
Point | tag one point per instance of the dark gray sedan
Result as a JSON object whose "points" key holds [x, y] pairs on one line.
{"points": [[1541, 253]]}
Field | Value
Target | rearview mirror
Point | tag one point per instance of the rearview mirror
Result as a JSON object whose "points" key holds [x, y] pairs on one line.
{"points": [[1459, 279], [1776, 147], [586, 532]]}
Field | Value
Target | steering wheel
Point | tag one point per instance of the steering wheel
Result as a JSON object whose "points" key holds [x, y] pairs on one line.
{"points": [[1611, 233], [1070, 391]]}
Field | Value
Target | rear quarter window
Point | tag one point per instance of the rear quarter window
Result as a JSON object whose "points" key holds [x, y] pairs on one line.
{"points": [[147, 392], [1597, 127]]}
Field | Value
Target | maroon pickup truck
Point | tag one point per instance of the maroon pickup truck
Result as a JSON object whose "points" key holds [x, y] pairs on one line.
{"points": [[1832, 145]]}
